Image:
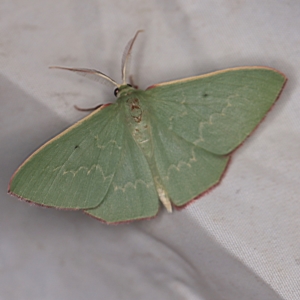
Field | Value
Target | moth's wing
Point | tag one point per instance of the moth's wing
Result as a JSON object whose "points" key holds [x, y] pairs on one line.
{"points": [[77, 168], [217, 111], [132, 194], [197, 121]]}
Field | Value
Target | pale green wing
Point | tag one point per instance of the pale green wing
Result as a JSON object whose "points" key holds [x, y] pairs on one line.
{"points": [[74, 170], [217, 111], [94, 163], [195, 122], [132, 194]]}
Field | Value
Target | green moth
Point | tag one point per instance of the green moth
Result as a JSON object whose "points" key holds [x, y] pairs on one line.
{"points": [[168, 144]]}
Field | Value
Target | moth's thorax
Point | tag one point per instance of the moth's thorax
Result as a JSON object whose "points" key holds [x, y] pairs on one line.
{"points": [[137, 118]]}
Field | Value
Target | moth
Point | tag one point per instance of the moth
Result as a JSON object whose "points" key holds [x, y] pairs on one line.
{"points": [[166, 145]]}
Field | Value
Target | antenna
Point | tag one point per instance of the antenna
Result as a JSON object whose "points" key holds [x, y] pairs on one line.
{"points": [[99, 76], [89, 73], [126, 57]]}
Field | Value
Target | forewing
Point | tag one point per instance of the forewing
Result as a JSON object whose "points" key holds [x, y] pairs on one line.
{"points": [[132, 194], [219, 110], [74, 170]]}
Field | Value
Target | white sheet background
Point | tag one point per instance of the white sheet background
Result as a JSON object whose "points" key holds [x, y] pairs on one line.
{"points": [[240, 241]]}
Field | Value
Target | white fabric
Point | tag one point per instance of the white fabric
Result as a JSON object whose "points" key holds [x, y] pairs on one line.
{"points": [[241, 241]]}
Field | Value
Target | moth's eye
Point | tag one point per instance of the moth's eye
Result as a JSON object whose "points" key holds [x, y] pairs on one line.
{"points": [[116, 92]]}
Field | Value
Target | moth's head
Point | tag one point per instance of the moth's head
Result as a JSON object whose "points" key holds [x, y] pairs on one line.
{"points": [[123, 90]]}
